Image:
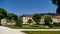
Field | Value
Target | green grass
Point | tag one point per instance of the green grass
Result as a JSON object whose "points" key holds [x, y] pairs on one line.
{"points": [[42, 32], [32, 27], [26, 27]]}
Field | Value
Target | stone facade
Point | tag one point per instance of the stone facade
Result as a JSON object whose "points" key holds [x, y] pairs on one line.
{"points": [[56, 19], [26, 17], [4, 21]]}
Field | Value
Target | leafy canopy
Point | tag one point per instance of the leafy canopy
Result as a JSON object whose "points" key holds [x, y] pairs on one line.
{"points": [[12, 16], [36, 18], [30, 21]]}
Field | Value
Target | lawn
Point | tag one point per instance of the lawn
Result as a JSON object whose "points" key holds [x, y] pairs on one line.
{"points": [[42, 32], [32, 27], [27, 27]]}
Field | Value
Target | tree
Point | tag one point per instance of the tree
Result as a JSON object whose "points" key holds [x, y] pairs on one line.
{"points": [[36, 18], [57, 2], [12, 16], [30, 21], [3, 14], [19, 23], [48, 21]]}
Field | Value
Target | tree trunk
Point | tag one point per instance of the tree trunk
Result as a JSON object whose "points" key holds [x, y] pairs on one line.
{"points": [[37, 23], [0, 22]]}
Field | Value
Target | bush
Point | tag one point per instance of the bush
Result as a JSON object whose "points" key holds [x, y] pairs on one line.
{"points": [[56, 24], [51, 25], [36, 18], [48, 21], [0, 24], [19, 23], [30, 21]]}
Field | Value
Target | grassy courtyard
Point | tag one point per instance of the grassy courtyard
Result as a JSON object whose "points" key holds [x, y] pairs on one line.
{"points": [[42, 32], [32, 27], [25, 27]]}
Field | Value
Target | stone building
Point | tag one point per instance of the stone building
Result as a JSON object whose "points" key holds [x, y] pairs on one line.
{"points": [[26, 17], [56, 19], [4, 21]]}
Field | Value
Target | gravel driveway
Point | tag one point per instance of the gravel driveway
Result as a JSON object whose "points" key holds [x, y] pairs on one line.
{"points": [[6, 30]]}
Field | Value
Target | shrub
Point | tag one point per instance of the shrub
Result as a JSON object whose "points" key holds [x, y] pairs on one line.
{"points": [[19, 23], [56, 24], [48, 21], [30, 21], [36, 18]]}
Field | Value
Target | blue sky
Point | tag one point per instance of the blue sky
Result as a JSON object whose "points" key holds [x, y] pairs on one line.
{"points": [[20, 7]]}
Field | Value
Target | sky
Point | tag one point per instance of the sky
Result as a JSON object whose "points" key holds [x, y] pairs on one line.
{"points": [[20, 7]]}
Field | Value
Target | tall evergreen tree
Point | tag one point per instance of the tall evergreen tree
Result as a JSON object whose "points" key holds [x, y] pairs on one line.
{"points": [[57, 2]]}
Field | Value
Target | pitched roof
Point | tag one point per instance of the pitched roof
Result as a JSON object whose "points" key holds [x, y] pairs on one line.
{"points": [[26, 15], [57, 17]]}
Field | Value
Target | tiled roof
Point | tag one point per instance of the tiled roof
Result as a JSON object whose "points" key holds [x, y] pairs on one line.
{"points": [[26, 15], [57, 17]]}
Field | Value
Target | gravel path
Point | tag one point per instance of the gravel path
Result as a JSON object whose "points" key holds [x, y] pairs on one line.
{"points": [[5, 30], [40, 29]]}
